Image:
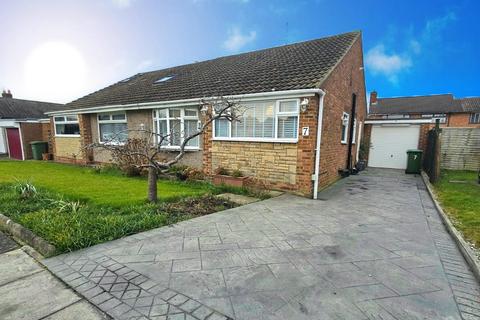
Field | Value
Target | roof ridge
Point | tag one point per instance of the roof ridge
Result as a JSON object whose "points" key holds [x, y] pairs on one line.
{"points": [[253, 51], [418, 96], [28, 100]]}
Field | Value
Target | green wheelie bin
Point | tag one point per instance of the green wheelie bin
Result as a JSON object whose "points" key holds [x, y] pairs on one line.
{"points": [[414, 161], [38, 147]]}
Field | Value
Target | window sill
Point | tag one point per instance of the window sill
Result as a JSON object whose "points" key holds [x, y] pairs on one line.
{"points": [[167, 148], [257, 140], [343, 142], [67, 135]]}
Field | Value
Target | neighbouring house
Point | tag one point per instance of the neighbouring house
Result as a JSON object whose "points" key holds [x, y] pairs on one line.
{"points": [[306, 109], [21, 122], [395, 125]]}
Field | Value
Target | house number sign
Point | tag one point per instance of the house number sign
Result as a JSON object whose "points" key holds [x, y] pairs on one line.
{"points": [[305, 131]]}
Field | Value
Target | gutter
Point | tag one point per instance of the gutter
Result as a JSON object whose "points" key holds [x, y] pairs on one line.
{"points": [[186, 102], [316, 174], [405, 121]]}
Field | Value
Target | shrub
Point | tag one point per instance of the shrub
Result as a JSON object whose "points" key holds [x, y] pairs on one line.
{"points": [[25, 189], [183, 172], [221, 171], [128, 158], [237, 173]]}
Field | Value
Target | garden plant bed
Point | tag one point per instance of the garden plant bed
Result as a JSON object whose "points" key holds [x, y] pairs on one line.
{"points": [[76, 207]]}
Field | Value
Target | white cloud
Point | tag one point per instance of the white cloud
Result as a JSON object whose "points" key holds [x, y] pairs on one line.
{"points": [[122, 3], [378, 61], [237, 40]]}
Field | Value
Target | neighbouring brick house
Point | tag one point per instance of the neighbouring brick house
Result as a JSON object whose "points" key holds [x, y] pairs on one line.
{"points": [[291, 91], [396, 124], [21, 122]]}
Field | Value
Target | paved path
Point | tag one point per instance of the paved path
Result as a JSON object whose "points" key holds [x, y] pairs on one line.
{"points": [[375, 249], [28, 291]]}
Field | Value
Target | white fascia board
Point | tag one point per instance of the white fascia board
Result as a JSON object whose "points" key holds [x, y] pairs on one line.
{"points": [[190, 102], [394, 121], [9, 123]]}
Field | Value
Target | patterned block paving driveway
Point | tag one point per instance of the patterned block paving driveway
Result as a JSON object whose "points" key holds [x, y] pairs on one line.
{"points": [[376, 249]]}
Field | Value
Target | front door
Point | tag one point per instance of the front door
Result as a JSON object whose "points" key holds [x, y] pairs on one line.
{"points": [[14, 143]]}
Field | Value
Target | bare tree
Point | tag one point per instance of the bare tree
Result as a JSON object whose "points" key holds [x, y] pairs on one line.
{"points": [[145, 149]]}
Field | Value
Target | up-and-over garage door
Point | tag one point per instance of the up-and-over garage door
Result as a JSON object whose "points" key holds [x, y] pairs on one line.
{"points": [[389, 145]]}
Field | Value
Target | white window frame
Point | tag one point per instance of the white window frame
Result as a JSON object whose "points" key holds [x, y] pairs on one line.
{"points": [[99, 122], [276, 114], [354, 135], [344, 141], [474, 118], [156, 124], [55, 122]]}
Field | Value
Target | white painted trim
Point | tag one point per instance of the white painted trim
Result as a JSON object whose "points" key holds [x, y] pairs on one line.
{"points": [[21, 141], [344, 141], [194, 101], [359, 139], [66, 122], [67, 136], [318, 146], [252, 139], [9, 124], [393, 121]]}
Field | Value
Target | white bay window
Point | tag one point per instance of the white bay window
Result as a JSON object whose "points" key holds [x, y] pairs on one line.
{"points": [[176, 124], [112, 127], [262, 121]]}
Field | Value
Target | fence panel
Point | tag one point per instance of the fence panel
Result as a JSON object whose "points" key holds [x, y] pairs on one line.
{"points": [[460, 149]]}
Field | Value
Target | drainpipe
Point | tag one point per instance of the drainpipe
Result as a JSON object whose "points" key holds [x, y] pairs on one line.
{"points": [[350, 133], [321, 95]]}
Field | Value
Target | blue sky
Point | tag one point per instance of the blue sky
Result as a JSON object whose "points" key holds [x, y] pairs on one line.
{"points": [[61, 50]]}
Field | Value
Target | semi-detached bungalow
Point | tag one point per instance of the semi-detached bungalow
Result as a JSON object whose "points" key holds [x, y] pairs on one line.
{"points": [[306, 108]]}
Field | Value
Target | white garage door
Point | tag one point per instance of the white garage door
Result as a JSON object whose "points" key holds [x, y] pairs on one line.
{"points": [[389, 145]]}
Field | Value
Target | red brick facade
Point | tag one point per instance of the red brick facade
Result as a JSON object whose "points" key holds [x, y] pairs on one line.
{"points": [[30, 132], [346, 79]]}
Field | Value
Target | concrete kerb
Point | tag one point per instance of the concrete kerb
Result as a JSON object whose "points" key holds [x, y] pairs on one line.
{"points": [[467, 252], [24, 235]]}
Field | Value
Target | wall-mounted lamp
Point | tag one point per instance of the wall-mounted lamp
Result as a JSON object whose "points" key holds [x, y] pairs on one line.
{"points": [[304, 104], [204, 109], [142, 126]]}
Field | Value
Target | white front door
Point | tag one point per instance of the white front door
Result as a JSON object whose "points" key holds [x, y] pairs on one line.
{"points": [[3, 142], [389, 145]]}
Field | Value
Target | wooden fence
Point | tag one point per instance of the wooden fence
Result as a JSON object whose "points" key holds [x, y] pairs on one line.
{"points": [[460, 149]]}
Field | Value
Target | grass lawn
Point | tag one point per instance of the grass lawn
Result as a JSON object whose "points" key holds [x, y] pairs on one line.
{"points": [[87, 184], [459, 194], [76, 207]]}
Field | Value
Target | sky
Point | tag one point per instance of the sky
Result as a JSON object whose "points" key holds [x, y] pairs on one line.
{"points": [[61, 50]]}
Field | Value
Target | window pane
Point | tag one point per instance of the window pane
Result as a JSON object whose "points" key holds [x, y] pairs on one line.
{"points": [[288, 106], [174, 113], [287, 127], [161, 132], [191, 128], [119, 116], [264, 121], [59, 119], [102, 117], [175, 132], [113, 132], [162, 113], [221, 128], [344, 133], [72, 118], [190, 113], [67, 128]]}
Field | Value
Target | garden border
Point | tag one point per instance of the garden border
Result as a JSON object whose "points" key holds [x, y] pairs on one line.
{"points": [[27, 236], [469, 254]]}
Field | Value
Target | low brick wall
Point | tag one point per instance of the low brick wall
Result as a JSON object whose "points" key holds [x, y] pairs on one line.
{"points": [[68, 149]]}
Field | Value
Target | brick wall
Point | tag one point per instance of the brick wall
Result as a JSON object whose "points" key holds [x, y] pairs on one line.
{"points": [[346, 79], [461, 120], [69, 149], [30, 132]]}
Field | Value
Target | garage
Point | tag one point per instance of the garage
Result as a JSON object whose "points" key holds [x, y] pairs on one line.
{"points": [[389, 144]]}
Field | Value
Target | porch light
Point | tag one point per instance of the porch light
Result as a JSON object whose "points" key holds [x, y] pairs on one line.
{"points": [[304, 104], [204, 109]]}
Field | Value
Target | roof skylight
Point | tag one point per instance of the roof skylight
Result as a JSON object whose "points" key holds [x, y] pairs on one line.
{"points": [[163, 79]]}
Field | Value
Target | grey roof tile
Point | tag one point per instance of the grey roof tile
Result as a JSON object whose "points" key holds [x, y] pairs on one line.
{"points": [[441, 103], [297, 66], [11, 108]]}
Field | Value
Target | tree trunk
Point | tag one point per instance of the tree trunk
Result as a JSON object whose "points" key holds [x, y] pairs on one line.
{"points": [[152, 184]]}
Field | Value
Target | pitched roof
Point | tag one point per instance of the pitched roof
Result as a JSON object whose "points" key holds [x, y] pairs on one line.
{"points": [[11, 108], [441, 103], [301, 65], [470, 104]]}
